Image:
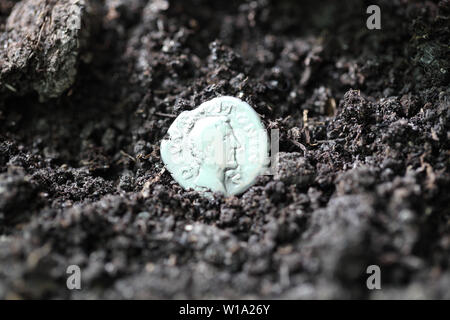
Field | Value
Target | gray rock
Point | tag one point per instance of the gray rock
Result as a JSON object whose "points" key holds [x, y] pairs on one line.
{"points": [[40, 47]]}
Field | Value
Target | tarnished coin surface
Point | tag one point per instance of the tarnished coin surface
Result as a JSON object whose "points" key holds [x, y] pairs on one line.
{"points": [[221, 146]]}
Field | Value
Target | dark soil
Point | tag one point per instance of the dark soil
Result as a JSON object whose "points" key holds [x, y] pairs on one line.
{"points": [[364, 124]]}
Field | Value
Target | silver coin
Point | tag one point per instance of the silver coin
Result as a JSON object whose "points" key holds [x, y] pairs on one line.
{"points": [[221, 146]]}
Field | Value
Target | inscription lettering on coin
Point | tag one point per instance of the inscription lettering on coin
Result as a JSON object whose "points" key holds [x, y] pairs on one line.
{"points": [[221, 146]]}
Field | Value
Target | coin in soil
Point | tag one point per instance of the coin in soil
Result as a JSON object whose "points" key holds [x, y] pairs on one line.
{"points": [[221, 146]]}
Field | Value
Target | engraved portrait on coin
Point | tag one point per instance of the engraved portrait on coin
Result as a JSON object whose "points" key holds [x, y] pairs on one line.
{"points": [[221, 146]]}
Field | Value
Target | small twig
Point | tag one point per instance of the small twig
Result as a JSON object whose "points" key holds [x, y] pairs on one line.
{"points": [[165, 115], [127, 155], [301, 146], [43, 14], [10, 87], [305, 118], [145, 192]]}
